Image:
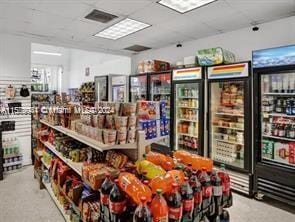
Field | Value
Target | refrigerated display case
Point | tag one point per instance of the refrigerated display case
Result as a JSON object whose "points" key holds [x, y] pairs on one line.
{"points": [[230, 121], [188, 110], [138, 87], [101, 88], [160, 90], [118, 88], [274, 82]]}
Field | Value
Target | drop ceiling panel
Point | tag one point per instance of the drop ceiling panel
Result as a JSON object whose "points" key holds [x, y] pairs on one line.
{"points": [[11, 12], [122, 7]]}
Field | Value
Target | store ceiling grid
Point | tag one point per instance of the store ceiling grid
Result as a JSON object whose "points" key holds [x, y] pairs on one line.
{"points": [[63, 22]]}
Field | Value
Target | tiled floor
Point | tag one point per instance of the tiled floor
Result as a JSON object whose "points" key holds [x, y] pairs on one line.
{"points": [[21, 200]]}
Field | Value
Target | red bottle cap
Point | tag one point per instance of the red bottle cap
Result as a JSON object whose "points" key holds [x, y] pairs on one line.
{"points": [[107, 174], [186, 179], [143, 199], [174, 185], [117, 180], [204, 169]]}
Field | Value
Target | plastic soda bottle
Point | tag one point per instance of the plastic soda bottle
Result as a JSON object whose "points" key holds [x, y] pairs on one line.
{"points": [[142, 212], [159, 208], [217, 194], [206, 190], [174, 202], [117, 203], [198, 197], [134, 188], [105, 190], [227, 195], [187, 201]]}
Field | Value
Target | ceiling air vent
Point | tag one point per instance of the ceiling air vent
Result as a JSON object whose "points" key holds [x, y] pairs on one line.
{"points": [[137, 48], [100, 16]]}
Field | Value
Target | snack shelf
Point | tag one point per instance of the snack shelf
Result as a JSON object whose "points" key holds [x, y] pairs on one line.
{"points": [[278, 94], [89, 141], [75, 208], [53, 197], [230, 114], [231, 142], [226, 127], [77, 167], [279, 138], [47, 166], [188, 120]]}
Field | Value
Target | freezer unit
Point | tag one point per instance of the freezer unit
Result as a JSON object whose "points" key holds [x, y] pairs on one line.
{"points": [[138, 87]]}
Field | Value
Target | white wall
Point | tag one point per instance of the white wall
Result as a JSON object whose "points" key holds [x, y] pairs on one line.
{"points": [[241, 42], [99, 64], [51, 60], [15, 63]]}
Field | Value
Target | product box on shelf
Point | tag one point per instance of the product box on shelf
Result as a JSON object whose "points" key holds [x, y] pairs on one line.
{"points": [[152, 66], [215, 56]]}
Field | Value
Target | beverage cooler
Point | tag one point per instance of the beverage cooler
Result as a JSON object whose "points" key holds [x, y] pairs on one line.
{"points": [[118, 88], [230, 121], [188, 110], [101, 88], [160, 90], [138, 87], [274, 82]]}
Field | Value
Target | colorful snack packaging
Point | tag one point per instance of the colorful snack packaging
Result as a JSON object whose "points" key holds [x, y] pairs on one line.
{"points": [[128, 109], [120, 121], [131, 136], [100, 121], [109, 122], [132, 121], [122, 136]]}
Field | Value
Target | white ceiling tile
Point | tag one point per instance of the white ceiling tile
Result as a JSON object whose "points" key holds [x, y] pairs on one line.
{"points": [[12, 12], [122, 7]]}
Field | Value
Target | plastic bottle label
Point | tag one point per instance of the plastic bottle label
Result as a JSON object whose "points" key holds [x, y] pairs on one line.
{"points": [[104, 199], [161, 219], [207, 191], [188, 205], [117, 207], [198, 198], [217, 190], [175, 213]]}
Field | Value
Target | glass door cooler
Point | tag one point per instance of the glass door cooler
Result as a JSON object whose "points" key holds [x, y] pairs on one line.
{"points": [[160, 90], [274, 71], [118, 88], [101, 88], [230, 120], [188, 110], [138, 86]]}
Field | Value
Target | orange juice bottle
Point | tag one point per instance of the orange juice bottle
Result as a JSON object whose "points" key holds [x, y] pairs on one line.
{"points": [[159, 208], [166, 162]]}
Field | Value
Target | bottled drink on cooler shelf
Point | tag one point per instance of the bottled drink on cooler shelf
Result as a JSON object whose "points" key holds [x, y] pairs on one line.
{"points": [[174, 202], [159, 208], [105, 190], [187, 201], [133, 187], [226, 192], [197, 190], [117, 203], [142, 212], [206, 190]]}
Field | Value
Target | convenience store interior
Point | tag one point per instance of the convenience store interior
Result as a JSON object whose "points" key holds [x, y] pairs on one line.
{"points": [[219, 78]]}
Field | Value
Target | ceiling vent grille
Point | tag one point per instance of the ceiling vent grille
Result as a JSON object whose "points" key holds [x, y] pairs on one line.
{"points": [[100, 16], [137, 48]]}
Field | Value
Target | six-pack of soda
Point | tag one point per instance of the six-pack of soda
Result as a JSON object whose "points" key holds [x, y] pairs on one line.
{"points": [[161, 188]]}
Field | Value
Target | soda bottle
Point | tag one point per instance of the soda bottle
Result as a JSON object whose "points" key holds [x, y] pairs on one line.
{"points": [[159, 208], [174, 202], [105, 190], [224, 217], [142, 212], [226, 192], [206, 190], [187, 201], [117, 203], [188, 170], [197, 189], [216, 182]]}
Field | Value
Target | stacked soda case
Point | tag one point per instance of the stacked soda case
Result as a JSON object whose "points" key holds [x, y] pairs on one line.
{"points": [[164, 188]]}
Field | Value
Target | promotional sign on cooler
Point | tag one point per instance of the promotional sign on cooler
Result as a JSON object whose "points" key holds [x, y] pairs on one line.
{"points": [[187, 74], [228, 71]]}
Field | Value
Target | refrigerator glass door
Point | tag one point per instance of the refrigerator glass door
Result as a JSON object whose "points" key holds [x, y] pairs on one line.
{"points": [[138, 88], [278, 119], [101, 89], [118, 93], [187, 116], [226, 122], [160, 90]]}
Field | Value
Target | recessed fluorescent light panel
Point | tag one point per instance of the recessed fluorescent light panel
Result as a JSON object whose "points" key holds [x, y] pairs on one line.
{"points": [[122, 29], [47, 53], [184, 6]]}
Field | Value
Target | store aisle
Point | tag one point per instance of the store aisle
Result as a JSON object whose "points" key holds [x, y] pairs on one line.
{"points": [[21, 200]]}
